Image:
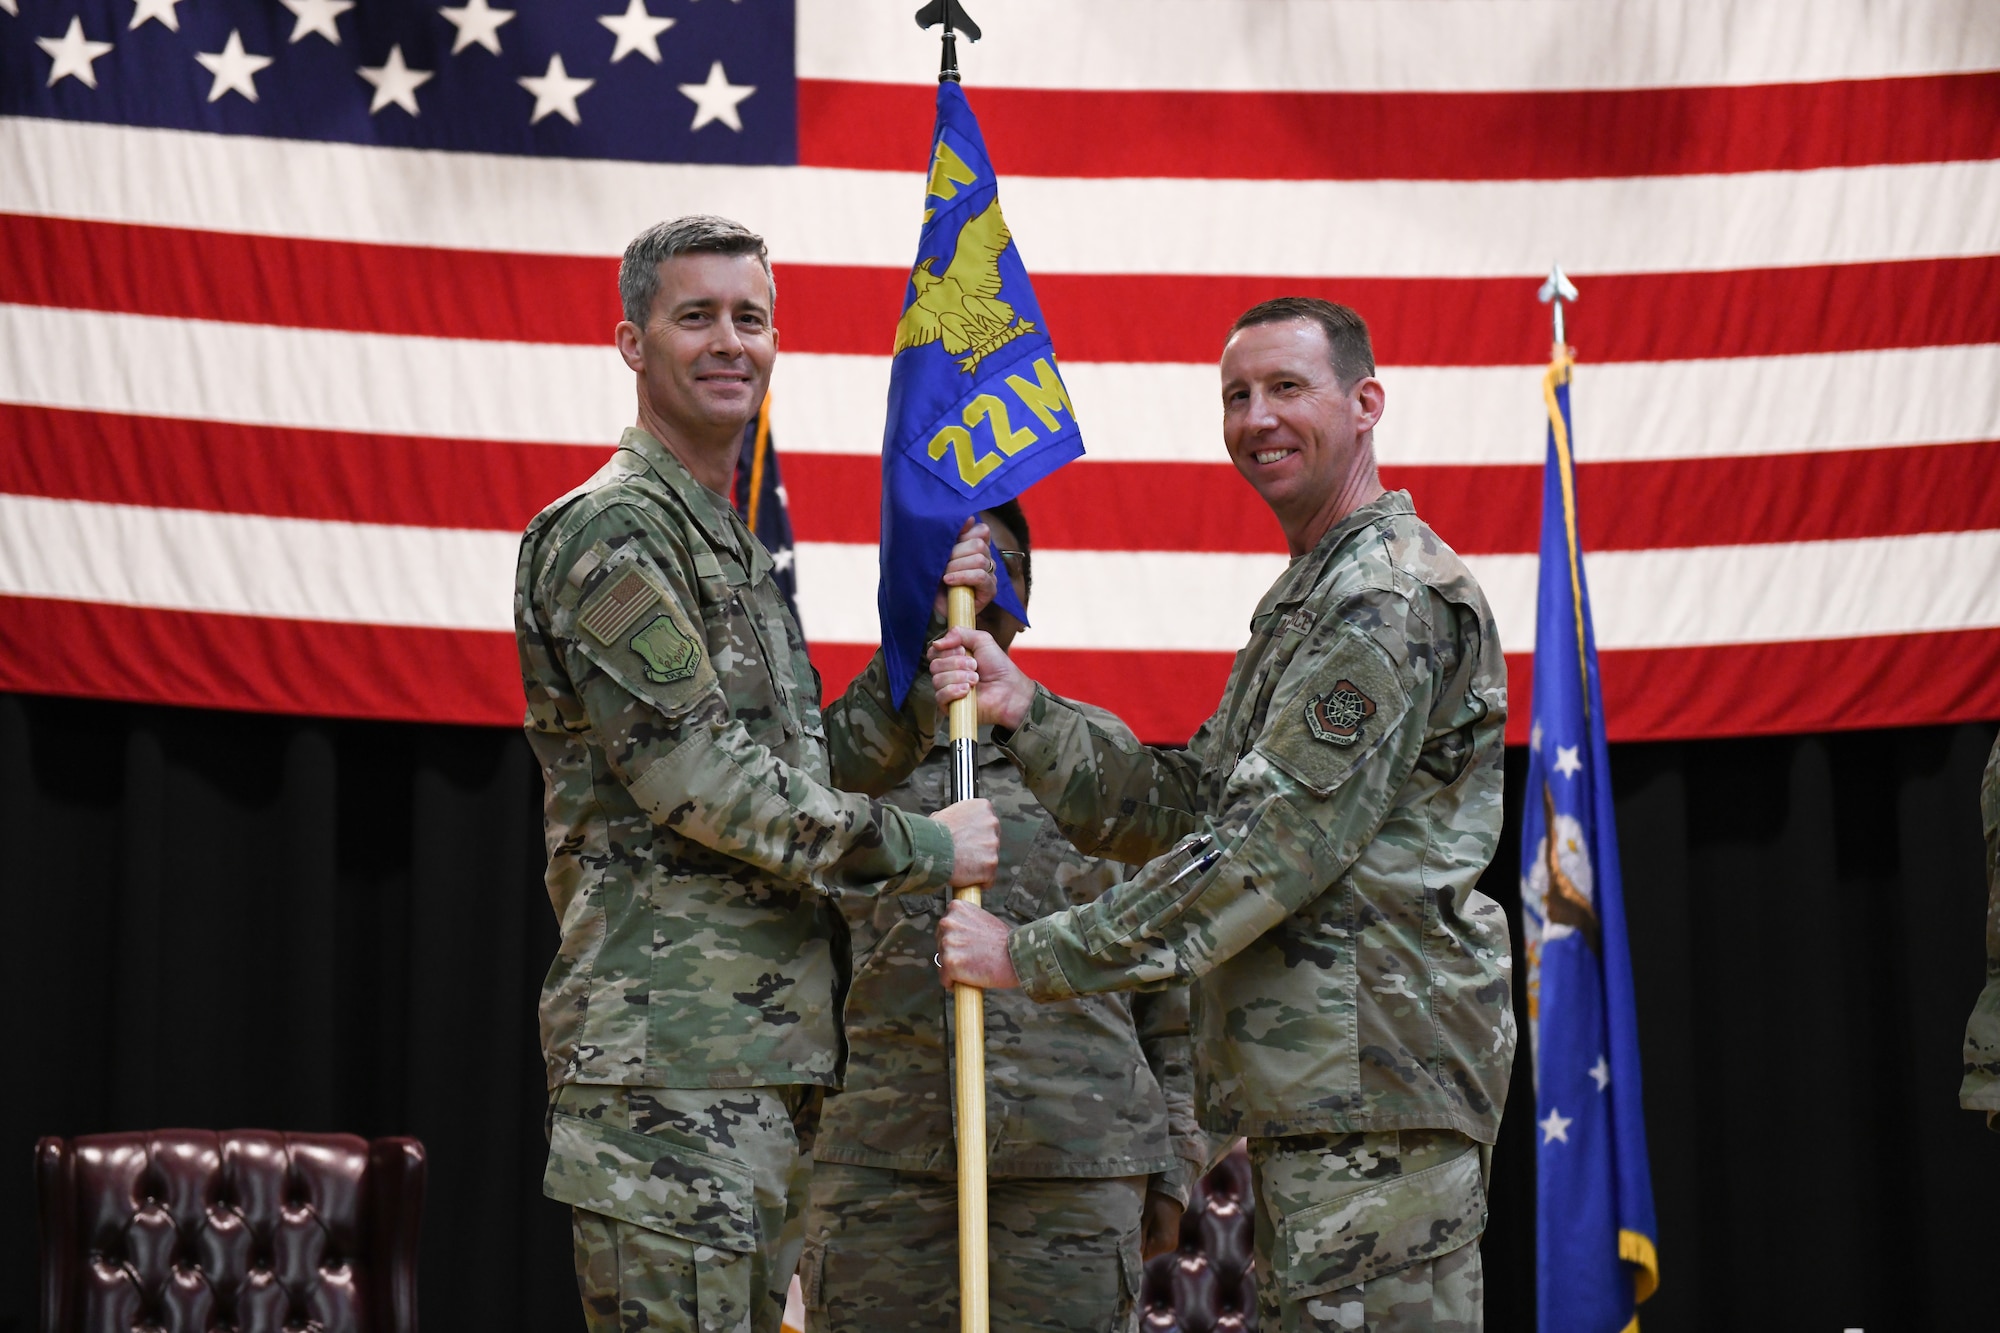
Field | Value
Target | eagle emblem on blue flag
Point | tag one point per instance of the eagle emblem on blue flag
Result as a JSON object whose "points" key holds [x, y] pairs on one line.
{"points": [[974, 390], [962, 305], [978, 410]]}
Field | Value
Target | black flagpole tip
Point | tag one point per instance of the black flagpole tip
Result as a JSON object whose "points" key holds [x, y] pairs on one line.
{"points": [[949, 13]]}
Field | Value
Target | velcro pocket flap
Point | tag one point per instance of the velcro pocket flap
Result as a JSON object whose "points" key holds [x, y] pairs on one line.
{"points": [[1109, 922], [1383, 1227], [1336, 717], [636, 632], [651, 1183]]}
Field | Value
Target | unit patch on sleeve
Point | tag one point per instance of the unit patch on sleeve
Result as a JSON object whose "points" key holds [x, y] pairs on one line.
{"points": [[1334, 722], [612, 609], [669, 654], [1336, 715]]}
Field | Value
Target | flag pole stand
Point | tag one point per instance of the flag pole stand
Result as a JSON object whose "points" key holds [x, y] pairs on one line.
{"points": [[970, 1011]]}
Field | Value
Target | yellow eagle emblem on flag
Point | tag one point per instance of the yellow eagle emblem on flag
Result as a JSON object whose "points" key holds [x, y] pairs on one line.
{"points": [[963, 306]]}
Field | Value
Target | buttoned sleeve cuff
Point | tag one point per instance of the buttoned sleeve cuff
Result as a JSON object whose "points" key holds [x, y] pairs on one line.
{"points": [[1032, 950], [931, 857], [1035, 745]]}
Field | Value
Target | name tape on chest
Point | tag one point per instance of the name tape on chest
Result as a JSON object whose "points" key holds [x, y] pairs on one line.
{"points": [[613, 608]]}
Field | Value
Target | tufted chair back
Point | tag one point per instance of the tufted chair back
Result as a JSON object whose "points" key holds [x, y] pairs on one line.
{"points": [[1208, 1285], [247, 1231]]}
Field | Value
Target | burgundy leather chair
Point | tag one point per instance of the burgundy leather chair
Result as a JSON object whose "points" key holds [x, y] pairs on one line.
{"points": [[249, 1231], [1208, 1284]]}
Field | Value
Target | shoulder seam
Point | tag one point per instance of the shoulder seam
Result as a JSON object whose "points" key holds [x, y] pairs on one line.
{"points": [[562, 535], [612, 497]]}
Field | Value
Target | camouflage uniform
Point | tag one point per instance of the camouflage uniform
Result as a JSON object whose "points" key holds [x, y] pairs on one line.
{"points": [[1981, 1089], [1087, 1098], [1349, 1261], [674, 1192], [1351, 983], [695, 838]]}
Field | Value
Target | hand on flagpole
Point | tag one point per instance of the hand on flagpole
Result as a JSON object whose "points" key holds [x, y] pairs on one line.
{"points": [[971, 566], [963, 658], [975, 841], [972, 949]]}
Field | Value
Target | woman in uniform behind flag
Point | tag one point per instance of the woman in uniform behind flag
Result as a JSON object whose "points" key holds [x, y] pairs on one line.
{"points": [[1090, 1110]]}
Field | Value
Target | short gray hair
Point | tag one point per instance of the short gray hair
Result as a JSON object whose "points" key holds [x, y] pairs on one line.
{"points": [[699, 233]]}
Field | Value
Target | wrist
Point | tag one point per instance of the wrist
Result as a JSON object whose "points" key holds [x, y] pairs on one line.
{"points": [[1011, 709]]}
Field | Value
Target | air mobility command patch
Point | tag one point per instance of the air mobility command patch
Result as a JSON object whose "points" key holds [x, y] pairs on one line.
{"points": [[1337, 718], [1336, 715], [669, 654]]}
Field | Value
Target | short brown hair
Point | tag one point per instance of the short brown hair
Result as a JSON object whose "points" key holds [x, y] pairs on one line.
{"points": [[698, 233], [1352, 354]]}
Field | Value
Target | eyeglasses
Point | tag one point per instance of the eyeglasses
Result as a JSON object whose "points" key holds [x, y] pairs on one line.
{"points": [[1016, 562]]}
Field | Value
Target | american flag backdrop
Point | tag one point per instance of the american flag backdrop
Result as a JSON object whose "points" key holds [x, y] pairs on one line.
{"points": [[305, 308]]}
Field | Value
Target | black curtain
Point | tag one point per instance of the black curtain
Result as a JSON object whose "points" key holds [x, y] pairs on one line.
{"points": [[223, 920]]}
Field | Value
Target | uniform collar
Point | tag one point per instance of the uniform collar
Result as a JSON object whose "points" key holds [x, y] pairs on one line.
{"points": [[1302, 575], [714, 515], [1383, 505]]}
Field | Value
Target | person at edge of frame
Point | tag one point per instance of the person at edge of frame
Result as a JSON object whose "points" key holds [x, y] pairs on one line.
{"points": [[695, 826], [1093, 1141], [1309, 862], [1981, 1089]]}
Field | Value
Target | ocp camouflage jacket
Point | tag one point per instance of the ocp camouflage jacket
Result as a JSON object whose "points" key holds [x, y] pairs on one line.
{"points": [[1092, 1086], [1350, 975], [694, 831]]}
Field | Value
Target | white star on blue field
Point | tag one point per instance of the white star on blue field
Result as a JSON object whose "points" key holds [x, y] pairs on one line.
{"points": [[638, 80]]}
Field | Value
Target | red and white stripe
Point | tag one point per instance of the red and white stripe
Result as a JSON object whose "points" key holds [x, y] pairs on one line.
{"points": [[274, 412]]}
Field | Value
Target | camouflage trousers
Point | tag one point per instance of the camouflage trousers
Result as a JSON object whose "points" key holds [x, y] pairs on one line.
{"points": [[882, 1252], [687, 1204], [1369, 1231]]}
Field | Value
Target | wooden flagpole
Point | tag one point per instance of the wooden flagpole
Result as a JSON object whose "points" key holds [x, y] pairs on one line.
{"points": [[969, 1002], [970, 1011]]}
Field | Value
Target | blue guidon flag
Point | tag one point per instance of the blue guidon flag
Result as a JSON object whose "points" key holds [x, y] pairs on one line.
{"points": [[977, 408], [1595, 1255]]}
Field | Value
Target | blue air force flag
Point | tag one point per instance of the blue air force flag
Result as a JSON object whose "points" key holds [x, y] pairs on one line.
{"points": [[1595, 1258], [977, 408]]}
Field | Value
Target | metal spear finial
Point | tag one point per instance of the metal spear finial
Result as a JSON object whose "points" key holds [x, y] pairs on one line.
{"points": [[1556, 289], [953, 16]]}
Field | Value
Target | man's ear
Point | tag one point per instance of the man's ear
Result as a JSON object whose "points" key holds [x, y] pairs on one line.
{"points": [[1370, 400], [631, 344]]}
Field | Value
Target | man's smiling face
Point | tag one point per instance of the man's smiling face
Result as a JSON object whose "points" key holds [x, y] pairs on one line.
{"points": [[1291, 430], [709, 344]]}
